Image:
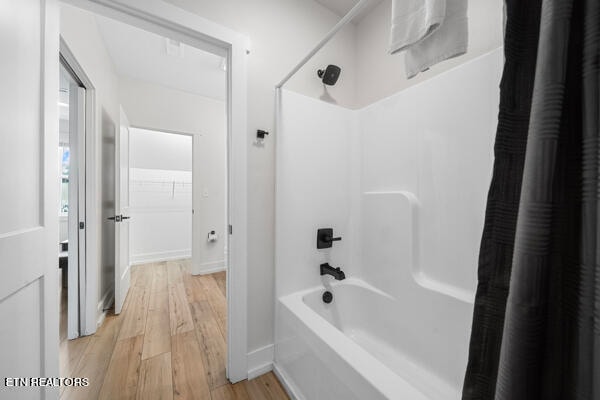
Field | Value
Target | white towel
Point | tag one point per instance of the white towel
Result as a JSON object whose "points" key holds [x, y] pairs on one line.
{"points": [[446, 39], [414, 20]]}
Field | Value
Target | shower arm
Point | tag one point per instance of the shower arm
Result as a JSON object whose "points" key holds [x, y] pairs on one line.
{"points": [[347, 18]]}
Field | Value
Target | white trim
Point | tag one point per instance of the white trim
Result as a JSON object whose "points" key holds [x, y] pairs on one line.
{"points": [[138, 259], [126, 271], [88, 288], [103, 305], [168, 20], [286, 382], [211, 267], [260, 361]]}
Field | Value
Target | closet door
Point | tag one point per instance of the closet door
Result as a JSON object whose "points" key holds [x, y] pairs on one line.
{"points": [[29, 202], [122, 264]]}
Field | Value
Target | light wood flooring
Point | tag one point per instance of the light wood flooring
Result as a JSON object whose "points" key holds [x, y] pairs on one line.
{"points": [[168, 343]]}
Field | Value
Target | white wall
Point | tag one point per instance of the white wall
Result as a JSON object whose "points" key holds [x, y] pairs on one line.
{"points": [[79, 30], [379, 74], [281, 33], [160, 196], [156, 107], [160, 150]]}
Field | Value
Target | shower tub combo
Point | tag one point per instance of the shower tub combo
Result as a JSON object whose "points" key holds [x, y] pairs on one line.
{"points": [[366, 345], [407, 194]]}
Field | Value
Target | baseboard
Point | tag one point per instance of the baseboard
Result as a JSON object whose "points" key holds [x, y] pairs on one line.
{"points": [[103, 305], [145, 258], [260, 361], [285, 382], [211, 267]]}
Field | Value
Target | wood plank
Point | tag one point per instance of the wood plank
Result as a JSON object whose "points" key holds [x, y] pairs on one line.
{"points": [[71, 352], [156, 382], [95, 361], [217, 301], [231, 392], [134, 319], [143, 275], [121, 380], [157, 337], [174, 272], [266, 387], [179, 311], [214, 351], [221, 279], [159, 280], [201, 311], [189, 376], [194, 289], [186, 265]]}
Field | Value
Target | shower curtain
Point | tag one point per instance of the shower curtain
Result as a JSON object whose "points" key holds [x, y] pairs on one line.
{"points": [[536, 322]]}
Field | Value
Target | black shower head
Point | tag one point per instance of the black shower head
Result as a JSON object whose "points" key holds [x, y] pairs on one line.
{"points": [[330, 75]]}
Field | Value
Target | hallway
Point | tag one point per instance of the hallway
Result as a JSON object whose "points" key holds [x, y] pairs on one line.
{"points": [[168, 343]]}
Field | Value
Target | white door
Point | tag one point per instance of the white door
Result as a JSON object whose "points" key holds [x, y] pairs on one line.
{"points": [[29, 202], [122, 265], [76, 207]]}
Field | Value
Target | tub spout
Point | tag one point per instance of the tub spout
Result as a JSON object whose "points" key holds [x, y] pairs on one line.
{"points": [[337, 273]]}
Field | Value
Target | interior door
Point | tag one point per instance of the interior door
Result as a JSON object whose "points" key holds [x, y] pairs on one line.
{"points": [[76, 206], [29, 201], [122, 265]]}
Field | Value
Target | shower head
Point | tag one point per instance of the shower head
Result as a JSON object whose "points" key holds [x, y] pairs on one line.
{"points": [[330, 75]]}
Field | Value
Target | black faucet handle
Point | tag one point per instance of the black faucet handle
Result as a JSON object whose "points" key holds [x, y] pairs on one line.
{"points": [[325, 238]]}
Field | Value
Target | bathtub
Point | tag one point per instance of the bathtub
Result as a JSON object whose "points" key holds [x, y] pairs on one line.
{"points": [[365, 344]]}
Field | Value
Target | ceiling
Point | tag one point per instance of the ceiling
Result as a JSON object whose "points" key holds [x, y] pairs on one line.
{"points": [[142, 55], [341, 7]]}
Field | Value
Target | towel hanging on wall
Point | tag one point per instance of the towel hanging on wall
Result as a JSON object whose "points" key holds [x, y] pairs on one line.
{"points": [[414, 20], [428, 31]]}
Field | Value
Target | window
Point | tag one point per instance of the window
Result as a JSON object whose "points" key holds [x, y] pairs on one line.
{"points": [[64, 156]]}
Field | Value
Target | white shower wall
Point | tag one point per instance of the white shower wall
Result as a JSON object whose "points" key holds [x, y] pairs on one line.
{"points": [[435, 140], [317, 187], [432, 141], [404, 182]]}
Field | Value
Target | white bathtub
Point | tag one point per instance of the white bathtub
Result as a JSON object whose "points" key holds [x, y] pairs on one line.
{"points": [[365, 345]]}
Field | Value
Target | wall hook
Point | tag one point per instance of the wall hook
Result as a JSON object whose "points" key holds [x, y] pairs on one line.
{"points": [[260, 134]]}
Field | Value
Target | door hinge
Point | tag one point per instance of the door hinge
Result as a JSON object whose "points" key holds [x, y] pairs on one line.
{"points": [[230, 230], [82, 225]]}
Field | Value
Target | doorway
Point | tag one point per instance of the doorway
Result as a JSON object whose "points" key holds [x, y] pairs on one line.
{"points": [[136, 103], [162, 18], [72, 209]]}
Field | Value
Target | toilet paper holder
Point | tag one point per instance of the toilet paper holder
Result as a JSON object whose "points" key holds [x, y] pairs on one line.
{"points": [[212, 236]]}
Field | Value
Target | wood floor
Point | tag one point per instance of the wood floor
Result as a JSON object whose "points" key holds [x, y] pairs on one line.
{"points": [[168, 343]]}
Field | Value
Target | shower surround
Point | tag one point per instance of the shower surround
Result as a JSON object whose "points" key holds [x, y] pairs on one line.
{"points": [[404, 181]]}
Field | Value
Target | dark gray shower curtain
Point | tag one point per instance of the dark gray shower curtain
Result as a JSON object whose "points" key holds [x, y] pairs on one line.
{"points": [[536, 323]]}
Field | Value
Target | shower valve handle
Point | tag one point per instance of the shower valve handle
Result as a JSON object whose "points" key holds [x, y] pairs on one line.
{"points": [[325, 238]]}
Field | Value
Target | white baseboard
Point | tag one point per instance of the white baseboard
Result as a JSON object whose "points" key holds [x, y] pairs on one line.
{"points": [[137, 259], [211, 268], [285, 382], [260, 361], [103, 305]]}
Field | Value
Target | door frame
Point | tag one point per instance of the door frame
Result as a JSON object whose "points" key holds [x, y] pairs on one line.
{"points": [[168, 20], [87, 294], [195, 136]]}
